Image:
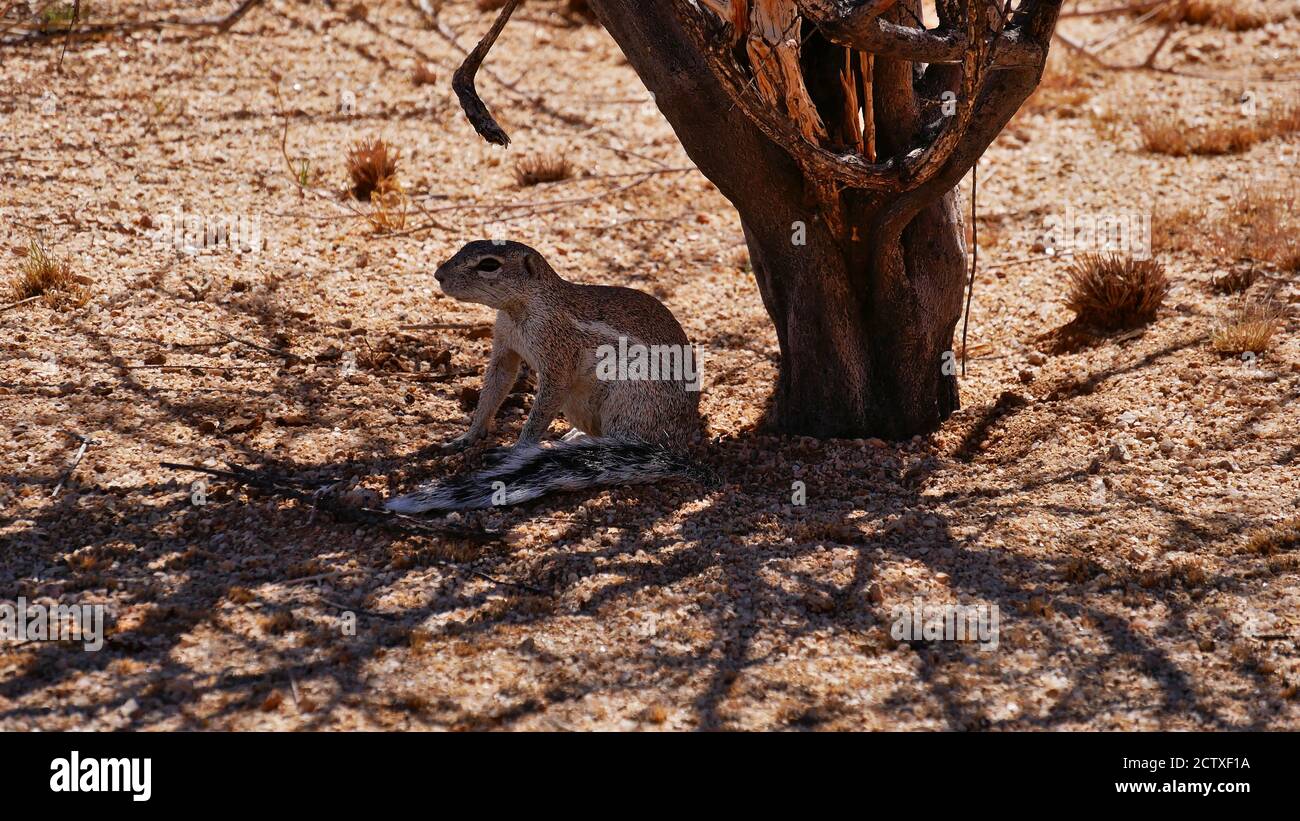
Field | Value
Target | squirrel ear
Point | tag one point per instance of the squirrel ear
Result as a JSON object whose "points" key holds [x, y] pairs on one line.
{"points": [[534, 265]]}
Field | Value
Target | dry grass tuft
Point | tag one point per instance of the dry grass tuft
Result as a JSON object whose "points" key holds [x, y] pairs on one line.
{"points": [[424, 75], [539, 168], [1166, 134], [1182, 229], [1262, 223], [1113, 292], [389, 207], [372, 165], [1269, 541], [1232, 15], [1066, 86], [1163, 134], [1235, 281], [1248, 328], [277, 623], [48, 276]]}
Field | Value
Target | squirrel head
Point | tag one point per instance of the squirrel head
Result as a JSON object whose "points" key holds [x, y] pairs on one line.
{"points": [[498, 273]]}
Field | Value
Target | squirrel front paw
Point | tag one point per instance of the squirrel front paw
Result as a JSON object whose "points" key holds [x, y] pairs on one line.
{"points": [[458, 444]]}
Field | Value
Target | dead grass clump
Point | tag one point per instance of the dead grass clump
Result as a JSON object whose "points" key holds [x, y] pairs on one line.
{"points": [[372, 165], [1248, 328], [1230, 139], [1066, 85], [424, 75], [1113, 292], [1182, 229], [1235, 281], [1268, 541], [389, 207], [1260, 224], [1263, 223], [539, 168], [357, 12], [1165, 134], [1232, 15], [277, 623], [48, 276]]}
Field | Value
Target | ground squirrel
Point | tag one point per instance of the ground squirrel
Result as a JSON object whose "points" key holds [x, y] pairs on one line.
{"points": [[599, 354]]}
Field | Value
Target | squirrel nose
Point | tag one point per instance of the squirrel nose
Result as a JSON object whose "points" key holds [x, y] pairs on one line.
{"points": [[439, 274]]}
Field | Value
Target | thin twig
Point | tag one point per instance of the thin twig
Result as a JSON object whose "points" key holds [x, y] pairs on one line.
{"points": [[334, 574], [86, 442], [1172, 24], [219, 25], [974, 259], [361, 610], [20, 302], [255, 346], [76, 17]]}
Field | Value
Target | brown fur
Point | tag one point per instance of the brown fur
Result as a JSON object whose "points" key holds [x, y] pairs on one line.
{"points": [[556, 327]]}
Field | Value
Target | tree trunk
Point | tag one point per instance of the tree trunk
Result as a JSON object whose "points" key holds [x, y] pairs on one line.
{"points": [[865, 326], [863, 286]]}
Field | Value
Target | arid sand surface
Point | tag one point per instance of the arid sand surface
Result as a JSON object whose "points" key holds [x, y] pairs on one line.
{"points": [[1106, 496]]}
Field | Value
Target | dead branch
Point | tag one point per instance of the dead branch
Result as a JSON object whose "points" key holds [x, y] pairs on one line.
{"points": [[274, 352], [1111, 11], [862, 28], [980, 48], [86, 442], [1170, 25], [462, 81], [219, 25]]}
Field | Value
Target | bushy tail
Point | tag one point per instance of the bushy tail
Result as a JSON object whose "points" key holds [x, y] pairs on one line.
{"points": [[530, 471]]}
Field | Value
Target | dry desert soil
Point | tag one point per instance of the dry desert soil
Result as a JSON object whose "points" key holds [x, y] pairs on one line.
{"points": [[1126, 501]]}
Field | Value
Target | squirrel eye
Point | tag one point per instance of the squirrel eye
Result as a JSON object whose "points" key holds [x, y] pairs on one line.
{"points": [[488, 264]]}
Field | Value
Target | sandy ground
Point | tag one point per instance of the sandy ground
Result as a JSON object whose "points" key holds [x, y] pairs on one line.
{"points": [[1100, 497]]}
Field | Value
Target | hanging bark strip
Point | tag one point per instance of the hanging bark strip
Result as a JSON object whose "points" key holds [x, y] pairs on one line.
{"points": [[462, 82]]}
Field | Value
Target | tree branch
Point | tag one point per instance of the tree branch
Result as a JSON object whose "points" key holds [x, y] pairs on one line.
{"points": [[861, 28], [462, 82], [995, 103]]}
